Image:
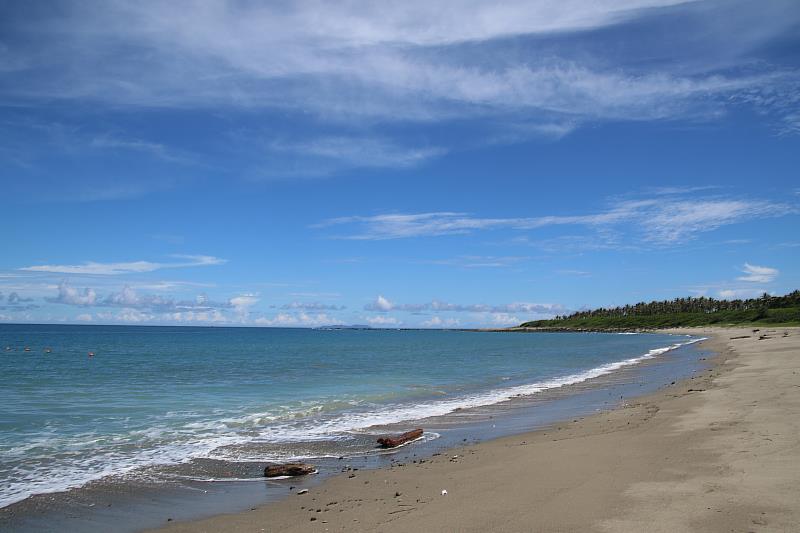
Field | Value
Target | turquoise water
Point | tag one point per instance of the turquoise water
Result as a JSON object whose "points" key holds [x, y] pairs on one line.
{"points": [[172, 396]]}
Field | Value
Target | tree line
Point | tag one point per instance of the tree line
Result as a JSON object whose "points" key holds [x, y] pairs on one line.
{"points": [[700, 304]]}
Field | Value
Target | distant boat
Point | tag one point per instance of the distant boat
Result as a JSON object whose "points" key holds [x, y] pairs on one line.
{"points": [[27, 349], [47, 350], [91, 354]]}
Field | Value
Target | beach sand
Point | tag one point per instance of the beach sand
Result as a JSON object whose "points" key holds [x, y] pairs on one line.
{"points": [[718, 452]]}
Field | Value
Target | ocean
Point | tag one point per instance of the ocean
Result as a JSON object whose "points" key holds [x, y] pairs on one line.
{"points": [[160, 404]]}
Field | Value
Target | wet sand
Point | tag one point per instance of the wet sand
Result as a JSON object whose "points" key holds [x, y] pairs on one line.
{"points": [[718, 452]]}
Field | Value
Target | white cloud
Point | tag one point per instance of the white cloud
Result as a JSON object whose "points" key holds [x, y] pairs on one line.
{"points": [[126, 316], [295, 320], [523, 307], [128, 144], [281, 319], [133, 315], [92, 267], [398, 62], [573, 272], [661, 221], [382, 304], [315, 294], [72, 296], [677, 221], [207, 316], [313, 306], [135, 307], [83, 317], [397, 226], [758, 274], [438, 322], [447, 22], [262, 42], [133, 267], [169, 285], [16, 303], [735, 294], [242, 304], [14, 298], [364, 152], [504, 319], [480, 261], [382, 321], [127, 297]]}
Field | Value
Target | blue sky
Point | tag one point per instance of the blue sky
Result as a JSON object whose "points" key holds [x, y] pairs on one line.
{"points": [[434, 164]]}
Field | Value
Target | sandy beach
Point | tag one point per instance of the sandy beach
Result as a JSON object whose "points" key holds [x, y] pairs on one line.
{"points": [[717, 452]]}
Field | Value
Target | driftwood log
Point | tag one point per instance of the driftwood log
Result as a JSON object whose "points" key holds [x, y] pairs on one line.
{"points": [[288, 469], [392, 441]]}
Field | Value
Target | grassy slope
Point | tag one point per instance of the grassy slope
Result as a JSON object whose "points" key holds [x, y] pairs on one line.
{"points": [[773, 317]]}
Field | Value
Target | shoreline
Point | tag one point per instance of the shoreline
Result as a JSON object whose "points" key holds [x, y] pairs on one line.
{"points": [[585, 474], [677, 459]]}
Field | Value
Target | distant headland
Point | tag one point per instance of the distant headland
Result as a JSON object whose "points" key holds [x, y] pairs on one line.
{"points": [[765, 310]]}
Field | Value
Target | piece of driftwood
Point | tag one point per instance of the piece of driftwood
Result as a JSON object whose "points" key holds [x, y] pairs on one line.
{"points": [[289, 469], [392, 441]]}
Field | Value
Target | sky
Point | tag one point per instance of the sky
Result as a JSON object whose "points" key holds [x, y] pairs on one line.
{"points": [[406, 164]]}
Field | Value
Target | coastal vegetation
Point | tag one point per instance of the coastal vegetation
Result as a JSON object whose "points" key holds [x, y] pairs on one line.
{"points": [[766, 310]]}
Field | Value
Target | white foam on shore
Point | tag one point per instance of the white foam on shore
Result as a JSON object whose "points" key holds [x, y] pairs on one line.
{"points": [[395, 414], [209, 439]]}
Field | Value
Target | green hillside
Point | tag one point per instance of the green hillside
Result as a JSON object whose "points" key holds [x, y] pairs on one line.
{"points": [[681, 312]]}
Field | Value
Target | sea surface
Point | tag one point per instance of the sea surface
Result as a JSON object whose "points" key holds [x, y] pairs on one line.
{"points": [[164, 403]]}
